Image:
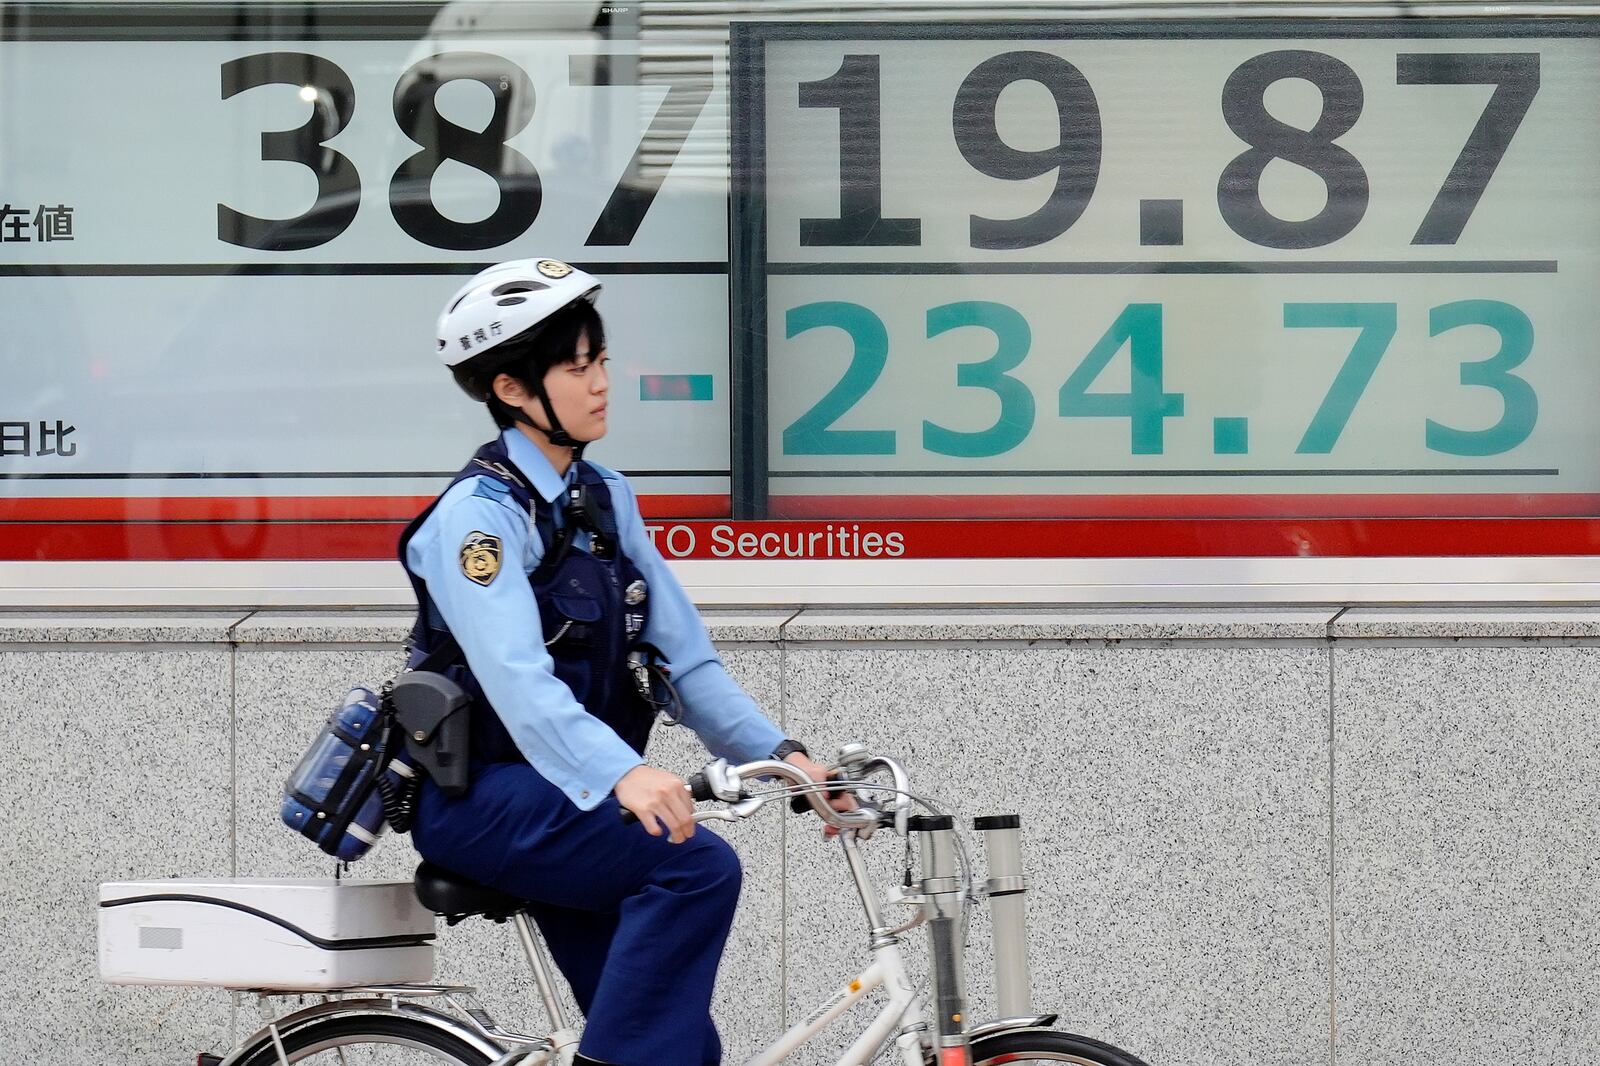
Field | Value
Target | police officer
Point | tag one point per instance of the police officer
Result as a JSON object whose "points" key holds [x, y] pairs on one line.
{"points": [[536, 565]]}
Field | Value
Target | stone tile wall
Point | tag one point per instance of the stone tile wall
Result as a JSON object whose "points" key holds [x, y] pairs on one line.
{"points": [[1286, 835]]}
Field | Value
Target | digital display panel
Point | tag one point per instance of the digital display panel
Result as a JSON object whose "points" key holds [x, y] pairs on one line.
{"points": [[223, 261], [1238, 270]]}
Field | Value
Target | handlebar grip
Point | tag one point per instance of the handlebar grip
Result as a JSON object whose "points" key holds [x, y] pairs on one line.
{"points": [[699, 791]]}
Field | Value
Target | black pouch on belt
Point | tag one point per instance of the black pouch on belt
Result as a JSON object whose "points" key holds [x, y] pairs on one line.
{"points": [[433, 711]]}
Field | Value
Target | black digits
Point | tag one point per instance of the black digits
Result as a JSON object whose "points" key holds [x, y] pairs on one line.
{"points": [[854, 90], [416, 110], [1515, 77], [636, 190], [338, 186], [1243, 108], [1075, 157]]}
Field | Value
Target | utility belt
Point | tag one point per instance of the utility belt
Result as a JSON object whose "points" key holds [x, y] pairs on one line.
{"points": [[450, 727], [436, 714], [336, 796], [364, 769]]}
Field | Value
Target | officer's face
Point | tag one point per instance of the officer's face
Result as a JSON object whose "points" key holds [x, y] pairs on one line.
{"points": [[578, 392]]}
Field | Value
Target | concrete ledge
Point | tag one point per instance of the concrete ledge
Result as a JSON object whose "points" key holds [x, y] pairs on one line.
{"points": [[247, 628], [866, 625], [114, 627], [1516, 623], [746, 627], [392, 626], [325, 627], [1077, 623]]}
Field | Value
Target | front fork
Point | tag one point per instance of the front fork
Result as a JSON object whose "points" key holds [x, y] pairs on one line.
{"points": [[943, 906]]}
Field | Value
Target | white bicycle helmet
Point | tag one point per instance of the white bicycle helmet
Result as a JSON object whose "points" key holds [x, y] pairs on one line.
{"points": [[501, 304], [509, 302]]}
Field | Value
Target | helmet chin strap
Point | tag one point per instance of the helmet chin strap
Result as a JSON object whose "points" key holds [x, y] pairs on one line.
{"points": [[555, 434]]}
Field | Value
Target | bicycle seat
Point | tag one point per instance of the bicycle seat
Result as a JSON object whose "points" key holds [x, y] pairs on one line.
{"points": [[455, 897]]}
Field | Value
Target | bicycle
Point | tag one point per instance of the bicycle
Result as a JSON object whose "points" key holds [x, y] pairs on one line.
{"points": [[387, 1021]]}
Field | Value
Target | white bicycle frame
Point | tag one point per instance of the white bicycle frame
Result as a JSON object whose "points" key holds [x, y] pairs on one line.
{"points": [[903, 1013]]}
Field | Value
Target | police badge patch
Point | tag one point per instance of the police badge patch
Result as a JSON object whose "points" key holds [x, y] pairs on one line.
{"points": [[480, 557]]}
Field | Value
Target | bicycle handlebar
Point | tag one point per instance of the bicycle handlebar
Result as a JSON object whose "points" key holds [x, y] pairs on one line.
{"points": [[699, 791], [726, 783], [815, 796]]}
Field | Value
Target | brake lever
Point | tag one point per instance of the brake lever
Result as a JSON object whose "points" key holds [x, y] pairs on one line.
{"points": [[732, 812], [870, 809]]}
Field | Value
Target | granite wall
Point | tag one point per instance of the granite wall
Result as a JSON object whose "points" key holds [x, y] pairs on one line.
{"points": [[1282, 836]]}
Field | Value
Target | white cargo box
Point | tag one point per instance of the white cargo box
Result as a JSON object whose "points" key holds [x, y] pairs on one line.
{"points": [[295, 934]]}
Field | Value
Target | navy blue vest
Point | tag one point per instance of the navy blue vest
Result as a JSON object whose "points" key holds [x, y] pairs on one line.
{"points": [[583, 596]]}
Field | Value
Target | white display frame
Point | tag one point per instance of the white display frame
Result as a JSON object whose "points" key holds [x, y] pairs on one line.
{"points": [[336, 585], [784, 585]]}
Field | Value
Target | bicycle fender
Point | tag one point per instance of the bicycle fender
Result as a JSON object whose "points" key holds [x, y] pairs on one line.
{"points": [[317, 1012], [1006, 1025]]}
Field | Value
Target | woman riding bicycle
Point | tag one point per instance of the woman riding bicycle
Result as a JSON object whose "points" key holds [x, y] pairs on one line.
{"points": [[568, 653]]}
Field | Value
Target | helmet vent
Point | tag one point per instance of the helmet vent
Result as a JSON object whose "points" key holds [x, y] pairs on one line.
{"points": [[518, 286], [511, 301]]}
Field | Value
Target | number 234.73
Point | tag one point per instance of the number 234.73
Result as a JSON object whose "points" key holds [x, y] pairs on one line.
{"points": [[1146, 404]]}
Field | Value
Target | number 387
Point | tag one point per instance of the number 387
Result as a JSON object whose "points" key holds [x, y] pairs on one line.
{"points": [[329, 89]]}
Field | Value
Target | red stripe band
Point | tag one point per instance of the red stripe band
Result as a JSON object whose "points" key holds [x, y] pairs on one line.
{"points": [[977, 539]]}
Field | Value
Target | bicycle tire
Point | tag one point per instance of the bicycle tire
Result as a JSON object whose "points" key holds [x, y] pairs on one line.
{"points": [[352, 1030], [1048, 1045]]}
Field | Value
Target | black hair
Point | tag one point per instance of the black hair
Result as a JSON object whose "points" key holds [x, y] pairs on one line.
{"points": [[528, 356]]}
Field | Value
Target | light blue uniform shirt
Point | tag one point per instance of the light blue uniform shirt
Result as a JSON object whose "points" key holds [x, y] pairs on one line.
{"points": [[497, 626]]}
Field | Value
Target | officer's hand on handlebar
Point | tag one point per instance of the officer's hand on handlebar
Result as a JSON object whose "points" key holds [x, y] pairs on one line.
{"points": [[839, 801], [658, 799]]}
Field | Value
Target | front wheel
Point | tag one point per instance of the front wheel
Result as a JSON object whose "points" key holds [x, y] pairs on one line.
{"points": [[1047, 1045], [368, 1040]]}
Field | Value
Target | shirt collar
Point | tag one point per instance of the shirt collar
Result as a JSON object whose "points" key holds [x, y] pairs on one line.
{"points": [[527, 457]]}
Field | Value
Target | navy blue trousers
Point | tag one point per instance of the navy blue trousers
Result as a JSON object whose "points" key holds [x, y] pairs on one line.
{"points": [[636, 924]]}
